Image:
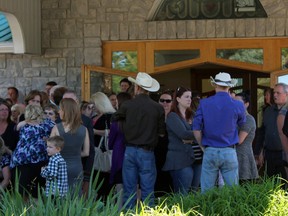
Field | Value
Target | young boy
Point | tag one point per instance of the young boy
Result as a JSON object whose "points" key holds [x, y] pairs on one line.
{"points": [[56, 171]]}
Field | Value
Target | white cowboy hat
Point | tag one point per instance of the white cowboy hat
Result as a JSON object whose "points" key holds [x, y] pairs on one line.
{"points": [[146, 82], [223, 79]]}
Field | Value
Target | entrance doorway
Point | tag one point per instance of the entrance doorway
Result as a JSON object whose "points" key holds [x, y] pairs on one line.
{"points": [[257, 63], [198, 80]]}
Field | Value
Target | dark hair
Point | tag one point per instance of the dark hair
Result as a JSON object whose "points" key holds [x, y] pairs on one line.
{"points": [[31, 95], [174, 108], [53, 107], [195, 102], [44, 97], [245, 95], [51, 83], [9, 101], [57, 141], [58, 94], [156, 96], [122, 97], [15, 89], [270, 90], [126, 80], [84, 105], [4, 102], [112, 93], [168, 92]]}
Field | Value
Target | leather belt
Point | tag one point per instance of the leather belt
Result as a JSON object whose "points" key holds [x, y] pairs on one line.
{"points": [[231, 146], [145, 147]]}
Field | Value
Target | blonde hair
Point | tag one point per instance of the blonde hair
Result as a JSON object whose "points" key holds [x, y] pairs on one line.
{"points": [[3, 147], [34, 113], [18, 108], [102, 103], [71, 113]]}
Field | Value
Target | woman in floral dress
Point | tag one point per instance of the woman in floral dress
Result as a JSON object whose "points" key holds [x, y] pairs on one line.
{"points": [[30, 154]]}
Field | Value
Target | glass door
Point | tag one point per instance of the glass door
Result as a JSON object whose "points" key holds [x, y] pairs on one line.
{"points": [[279, 76], [102, 79]]}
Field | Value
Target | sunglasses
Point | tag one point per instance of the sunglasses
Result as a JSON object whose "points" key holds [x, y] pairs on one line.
{"points": [[165, 100], [49, 113]]}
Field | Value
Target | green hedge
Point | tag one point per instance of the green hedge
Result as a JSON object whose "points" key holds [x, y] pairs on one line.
{"points": [[265, 197]]}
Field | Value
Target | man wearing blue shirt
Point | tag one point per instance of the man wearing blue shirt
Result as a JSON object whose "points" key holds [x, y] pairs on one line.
{"points": [[215, 129]]}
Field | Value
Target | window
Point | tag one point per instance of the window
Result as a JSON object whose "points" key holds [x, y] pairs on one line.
{"points": [[163, 57], [253, 56]]}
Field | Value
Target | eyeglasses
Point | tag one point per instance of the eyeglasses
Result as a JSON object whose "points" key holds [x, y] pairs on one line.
{"points": [[165, 100], [4, 110], [49, 113]]}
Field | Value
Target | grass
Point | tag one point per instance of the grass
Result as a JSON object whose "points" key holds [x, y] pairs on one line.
{"points": [[263, 198]]}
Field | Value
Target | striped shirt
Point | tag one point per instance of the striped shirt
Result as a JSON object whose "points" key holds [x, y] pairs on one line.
{"points": [[56, 176], [198, 153]]}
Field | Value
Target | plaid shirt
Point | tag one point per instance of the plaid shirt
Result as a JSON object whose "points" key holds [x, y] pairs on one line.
{"points": [[56, 176]]}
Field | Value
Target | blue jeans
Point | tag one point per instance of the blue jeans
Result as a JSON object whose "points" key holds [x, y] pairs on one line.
{"points": [[215, 160], [196, 176], [186, 178], [138, 164], [182, 179]]}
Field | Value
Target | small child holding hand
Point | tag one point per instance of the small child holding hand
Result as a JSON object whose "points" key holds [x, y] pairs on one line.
{"points": [[56, 171]]}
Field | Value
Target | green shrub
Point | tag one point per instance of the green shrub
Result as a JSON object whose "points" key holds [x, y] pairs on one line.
{"points": [[263, 198]]}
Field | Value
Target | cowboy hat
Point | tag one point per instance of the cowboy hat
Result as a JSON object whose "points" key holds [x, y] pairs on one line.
{"points": [[146, 82], [223, 79]]}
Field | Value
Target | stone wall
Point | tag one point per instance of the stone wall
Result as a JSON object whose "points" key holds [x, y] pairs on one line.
{"points": [[73, 31]]}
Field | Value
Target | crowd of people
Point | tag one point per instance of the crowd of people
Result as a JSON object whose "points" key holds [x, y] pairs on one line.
{"points": [[175, 142]]}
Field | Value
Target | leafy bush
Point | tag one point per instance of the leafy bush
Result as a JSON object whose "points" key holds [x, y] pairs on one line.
{"points": [[263, 198]]}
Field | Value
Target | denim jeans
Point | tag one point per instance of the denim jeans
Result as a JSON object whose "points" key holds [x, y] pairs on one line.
{"points": [[196, 176], [215, 160], [186, 178], [182, 179], [138, 164]]}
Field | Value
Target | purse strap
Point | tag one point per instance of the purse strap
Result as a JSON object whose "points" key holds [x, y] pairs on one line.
{"points": [[105, 137]]}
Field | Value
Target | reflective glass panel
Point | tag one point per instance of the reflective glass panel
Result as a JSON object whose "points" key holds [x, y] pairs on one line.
{"points": [[125, 60], [284, 58], [5, 31], [263, 81], [208, 89], [260, 105], [163, 57], [283, 79], [254, 56], [100, 82]]}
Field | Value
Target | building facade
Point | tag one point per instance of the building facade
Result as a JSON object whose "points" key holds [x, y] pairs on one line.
{"points": [[73, 31]]}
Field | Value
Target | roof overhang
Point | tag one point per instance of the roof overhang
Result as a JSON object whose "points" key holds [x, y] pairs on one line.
{"points": [[24, 18]]}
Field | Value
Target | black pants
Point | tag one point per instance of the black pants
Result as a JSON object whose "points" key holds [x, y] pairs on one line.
{"points": [[274, 163], [29, 178]]}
